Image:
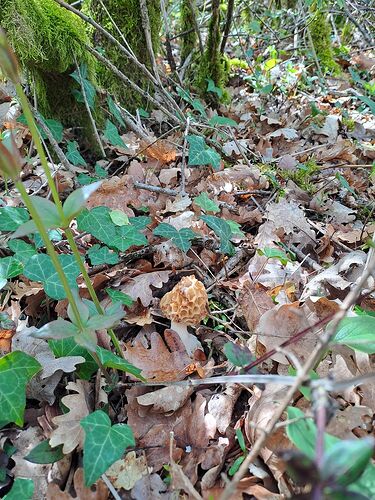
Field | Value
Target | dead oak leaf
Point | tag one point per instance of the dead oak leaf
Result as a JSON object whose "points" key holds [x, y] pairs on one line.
{"points": [[159, 361], [69, 432], [126, 472], [139, 287], [81, 492]]}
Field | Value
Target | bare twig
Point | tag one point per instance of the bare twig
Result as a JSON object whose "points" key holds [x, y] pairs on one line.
{"points": [[183, 161], [228, 24]]}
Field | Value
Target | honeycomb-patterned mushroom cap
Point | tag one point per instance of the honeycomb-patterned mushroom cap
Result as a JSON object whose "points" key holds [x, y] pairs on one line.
{"points": [[186, 303]]}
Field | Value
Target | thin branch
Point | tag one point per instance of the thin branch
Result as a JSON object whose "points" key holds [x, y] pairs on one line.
{"points": [[228, 24], [303, 375]]}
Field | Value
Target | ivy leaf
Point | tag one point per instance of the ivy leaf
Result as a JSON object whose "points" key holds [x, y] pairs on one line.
{"points": [[114, 109], [76, 200], [12, 217], [22, 489], [223, 230], [102, 255], [274, 253], [103, 445], [42, 453], [40, 268], [10, 267], [110, 360], [16, 369], [128, 236], [112, 135], [117, 296], [211, 87], [56, 128], [238, 355], [206, 204], [222, 121], [140, 222], [69, 347], [98, 223], [23, 251], [90, 92], [357, 333], [73, 155], [182, 238], [200, 154]]}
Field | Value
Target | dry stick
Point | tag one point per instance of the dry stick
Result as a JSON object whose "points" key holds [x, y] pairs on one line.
{"points": [[117, 29], [183, 161], [155, 189], [129, 82], [228, 24], [300, 378], [168, 46], [59, 152], [88, 109], [147, 31], [196, 27]]}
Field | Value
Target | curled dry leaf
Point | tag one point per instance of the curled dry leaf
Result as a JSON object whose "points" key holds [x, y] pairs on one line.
{"points": [[167, 399], [221, 405], [139, 287], [151, 486], [126, 472], [69, 432], [254, 302], [100, 491], [159, 361]]}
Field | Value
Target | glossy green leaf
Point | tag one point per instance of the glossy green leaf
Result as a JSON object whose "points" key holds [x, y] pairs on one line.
{"points": [[119, 218], [12, 217], [117, 296], [56, 128], [211, 87], [114, 109], [223, 230], [140, 222], [274, 253], [102, 255], [110, 360], [369, 102], [346, 460], [222, 121], [22, 489], [89, 89], [357, 332], [128, 236], [73, 155], [69, 347], [241, 440], [42, 453], [103, 445], [10, 267], [236, 465], [40, 268], [76, 200], [16, 369], [206, 204], [182, 238], [200, 154], [23, 251], [238, 355], [112, 135]]}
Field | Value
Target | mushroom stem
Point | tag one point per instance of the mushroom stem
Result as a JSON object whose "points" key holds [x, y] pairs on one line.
{"points": [[191, 343]]}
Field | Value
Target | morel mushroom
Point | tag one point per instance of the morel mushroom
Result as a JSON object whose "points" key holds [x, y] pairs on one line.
{"points": [[186, 305]]}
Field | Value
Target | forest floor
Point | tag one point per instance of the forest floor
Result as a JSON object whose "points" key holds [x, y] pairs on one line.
{"points": [[274, 214]]}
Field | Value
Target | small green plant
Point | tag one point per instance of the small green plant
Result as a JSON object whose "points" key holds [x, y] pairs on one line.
{"points": [[237, 463]]}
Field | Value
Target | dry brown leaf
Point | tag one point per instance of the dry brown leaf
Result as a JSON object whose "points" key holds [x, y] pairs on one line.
{"points": [[81, 492], [161, 361], [167, 399], [139, 287], [221, 405], [254, 302], [151, 486], [69, 431], [126, 472], [160, 150], [281, 323]]}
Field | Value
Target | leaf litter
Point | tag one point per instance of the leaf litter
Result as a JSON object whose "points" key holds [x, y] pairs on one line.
{"points": [[295, 201]]}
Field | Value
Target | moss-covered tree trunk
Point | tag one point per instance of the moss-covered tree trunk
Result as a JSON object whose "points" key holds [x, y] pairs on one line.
{"points": [[47, 40], [187, 25], [320, 30], [127, 16], [212, 65]]}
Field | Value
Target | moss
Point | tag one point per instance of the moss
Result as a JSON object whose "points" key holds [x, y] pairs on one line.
{"points": [[302, 176], [320, 30], [127, 16], [47, 39], [213, 65], [189, 35]]}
